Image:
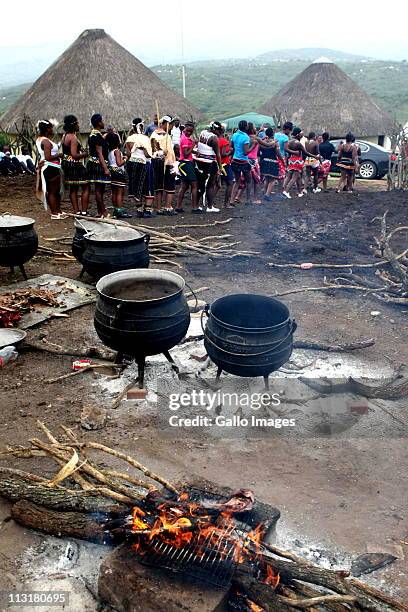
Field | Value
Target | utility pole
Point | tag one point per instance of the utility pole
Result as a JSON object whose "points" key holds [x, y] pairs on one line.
{"points": [[183, 68]]}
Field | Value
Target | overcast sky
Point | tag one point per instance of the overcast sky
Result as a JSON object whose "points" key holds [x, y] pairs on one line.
{"points": [[212, 29]]}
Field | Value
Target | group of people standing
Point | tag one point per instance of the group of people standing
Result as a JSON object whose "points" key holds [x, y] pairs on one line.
{"points": [[152, 158]]}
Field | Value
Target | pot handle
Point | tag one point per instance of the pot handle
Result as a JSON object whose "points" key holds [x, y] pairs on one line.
{"points": [[204, 311], [194, 294], [147, 238], [116, 315], [294, 326]]}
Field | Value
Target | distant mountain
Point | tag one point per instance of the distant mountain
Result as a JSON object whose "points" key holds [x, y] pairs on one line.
{"points": [[310, 54]]}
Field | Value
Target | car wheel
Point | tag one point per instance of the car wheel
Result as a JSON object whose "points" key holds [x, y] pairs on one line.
{"points": [[368, 170]]}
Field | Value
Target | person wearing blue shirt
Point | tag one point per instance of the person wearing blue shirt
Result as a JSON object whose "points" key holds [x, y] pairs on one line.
{"points": [[283, 137], [241, 145]]}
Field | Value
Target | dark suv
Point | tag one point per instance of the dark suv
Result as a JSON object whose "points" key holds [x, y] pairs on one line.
{"points": [[374, 159]]}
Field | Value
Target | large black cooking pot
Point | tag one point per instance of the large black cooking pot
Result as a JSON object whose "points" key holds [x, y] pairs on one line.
{"points": [[141, 312], [119, 248], [82, 227], [18, 241], [248, 335]]}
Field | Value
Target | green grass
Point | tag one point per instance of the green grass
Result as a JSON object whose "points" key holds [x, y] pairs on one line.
{"points": [[9, 95], [229, 87]]}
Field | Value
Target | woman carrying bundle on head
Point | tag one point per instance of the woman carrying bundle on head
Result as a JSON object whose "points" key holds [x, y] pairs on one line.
{"points": [[49, 170], [140, 169], [97, 165], [117, 173], [75, 175]]}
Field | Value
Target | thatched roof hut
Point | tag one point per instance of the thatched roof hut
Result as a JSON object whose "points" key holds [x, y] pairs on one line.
{"points": [[323, 98], [97, 75]]}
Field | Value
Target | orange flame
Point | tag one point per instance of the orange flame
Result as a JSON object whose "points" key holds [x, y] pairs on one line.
{"points": [[180, 523], [271, 578], [254, 607]]}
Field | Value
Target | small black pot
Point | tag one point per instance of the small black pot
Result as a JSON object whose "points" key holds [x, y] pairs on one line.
{"points": [[114, 250], [249, 335], [18, 241]]}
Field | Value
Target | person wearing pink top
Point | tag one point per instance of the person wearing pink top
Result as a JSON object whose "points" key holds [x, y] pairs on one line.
{"points": [[186, 170], [253, 156]]}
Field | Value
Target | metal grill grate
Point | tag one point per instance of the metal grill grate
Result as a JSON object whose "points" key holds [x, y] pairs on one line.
{"points": [[213, 559]]}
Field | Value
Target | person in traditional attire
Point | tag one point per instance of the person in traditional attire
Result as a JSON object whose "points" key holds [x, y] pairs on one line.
{"points": [[117, 174], [72, 164], [187, 170], [253, 158], [242, 145], [272, 164], [97, 166], [208, 164], [347, 161], [49, 170], [227, 175], [164, 167], [326, 150], [140, 169], [312, 164], [295, 163]]}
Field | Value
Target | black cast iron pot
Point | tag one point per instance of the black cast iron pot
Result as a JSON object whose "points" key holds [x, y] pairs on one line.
{"points": [[248, 335], [18, 241], [141, 312], [114, 250]]}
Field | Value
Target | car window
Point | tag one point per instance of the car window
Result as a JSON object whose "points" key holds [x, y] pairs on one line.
{"points": [[363, 146]]}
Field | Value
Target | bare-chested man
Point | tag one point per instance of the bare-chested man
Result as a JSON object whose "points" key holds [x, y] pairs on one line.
{"points": [[296, 151]]}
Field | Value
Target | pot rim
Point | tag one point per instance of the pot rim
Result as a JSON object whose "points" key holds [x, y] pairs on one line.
{"points": [[249, 330], [21, 222], [139, 274], [100, 239]]}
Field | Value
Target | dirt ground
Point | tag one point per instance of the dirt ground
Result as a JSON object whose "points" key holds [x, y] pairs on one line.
{"points": [[346, 494]]}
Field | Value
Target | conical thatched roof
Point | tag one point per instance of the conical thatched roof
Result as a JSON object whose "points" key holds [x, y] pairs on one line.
{"points": [[96, 75], [323, 98]]}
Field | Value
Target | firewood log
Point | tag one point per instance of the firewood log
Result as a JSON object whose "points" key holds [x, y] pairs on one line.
{"points": [[92, 527], [17, 485]]}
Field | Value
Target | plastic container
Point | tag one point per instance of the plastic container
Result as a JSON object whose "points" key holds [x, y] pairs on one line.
{"points": [[7, 354]]}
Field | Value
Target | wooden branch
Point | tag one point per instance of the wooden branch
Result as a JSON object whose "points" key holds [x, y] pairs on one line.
{"points": [[18, 485], [48, 347], [307, 591], [122, 394], [304, 604], [323, 266], [333, 348], [367, 597], [131, 461], [116, 491], [259, 593], [330, 287], [87, 368]]}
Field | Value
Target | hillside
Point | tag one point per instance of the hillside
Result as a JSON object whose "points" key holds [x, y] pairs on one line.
{"points": [[9, 95], [228, 87], [225, 88], [310, 54]]}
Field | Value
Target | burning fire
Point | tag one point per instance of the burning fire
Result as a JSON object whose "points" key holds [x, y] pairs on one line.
{"points": [[181, 523]]}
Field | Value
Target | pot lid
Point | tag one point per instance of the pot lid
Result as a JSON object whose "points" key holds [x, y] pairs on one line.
{"points": [[91, 226], [116, 234], [10, 221], [9, 336]]}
